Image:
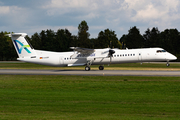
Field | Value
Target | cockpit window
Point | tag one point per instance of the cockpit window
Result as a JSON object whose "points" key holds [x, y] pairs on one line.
{"points": [[160, 51]]}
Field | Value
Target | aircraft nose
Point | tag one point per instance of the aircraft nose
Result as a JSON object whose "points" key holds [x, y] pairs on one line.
{"points": [[174, 57], [171, 57]]}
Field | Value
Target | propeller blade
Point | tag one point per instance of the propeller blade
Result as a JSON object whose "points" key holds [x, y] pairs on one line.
{"points": [[110, 59]]}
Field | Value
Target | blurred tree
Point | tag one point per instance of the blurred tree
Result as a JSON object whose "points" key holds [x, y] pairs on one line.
{"points": [[107, 38], [74, 42], [4, 50], [43, 38], [63, 40], [133, 39], [83, 35], [7, 51], [152, 38], [36, 41], [170, 40], [123, 41], [50, 40]]}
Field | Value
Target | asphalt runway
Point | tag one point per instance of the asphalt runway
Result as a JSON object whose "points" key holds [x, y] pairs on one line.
{"points": [[91, 73]]}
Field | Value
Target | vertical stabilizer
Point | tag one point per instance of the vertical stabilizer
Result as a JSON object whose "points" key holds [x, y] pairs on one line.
{"points": [[21, 45]]}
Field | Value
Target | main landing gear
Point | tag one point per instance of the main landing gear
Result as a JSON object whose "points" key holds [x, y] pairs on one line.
{"points": [[101, 67], [87, 68]]}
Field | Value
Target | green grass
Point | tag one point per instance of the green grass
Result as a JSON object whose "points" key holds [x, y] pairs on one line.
{"points": [[89, 97]]}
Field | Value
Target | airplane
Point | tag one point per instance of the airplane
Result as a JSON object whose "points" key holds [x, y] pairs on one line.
{"points": [[86, 57]]}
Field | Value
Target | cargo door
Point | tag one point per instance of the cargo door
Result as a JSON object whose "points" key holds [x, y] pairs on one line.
{"points": [[61, 60]]}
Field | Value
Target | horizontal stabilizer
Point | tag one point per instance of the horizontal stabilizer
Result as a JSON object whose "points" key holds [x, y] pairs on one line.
{"points": [[17, 34]]}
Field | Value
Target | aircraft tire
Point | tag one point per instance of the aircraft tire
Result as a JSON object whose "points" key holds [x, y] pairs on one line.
{"points": [[101, 67], [87, 68]]}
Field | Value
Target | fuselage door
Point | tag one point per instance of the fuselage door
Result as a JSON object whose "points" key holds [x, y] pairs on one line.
{"points": [[61, 60], [140, 56]]}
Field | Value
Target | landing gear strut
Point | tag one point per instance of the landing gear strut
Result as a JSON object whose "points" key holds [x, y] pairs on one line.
{"points": [[87, 68]]}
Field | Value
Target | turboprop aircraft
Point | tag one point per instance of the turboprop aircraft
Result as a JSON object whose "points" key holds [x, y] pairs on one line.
{"points": [[86, 57]]}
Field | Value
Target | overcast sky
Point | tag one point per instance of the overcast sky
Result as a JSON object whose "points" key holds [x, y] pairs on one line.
{"points": [[30, 16]]}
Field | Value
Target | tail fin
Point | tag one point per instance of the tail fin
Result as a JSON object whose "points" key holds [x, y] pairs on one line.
{"points": [[23, 48]]}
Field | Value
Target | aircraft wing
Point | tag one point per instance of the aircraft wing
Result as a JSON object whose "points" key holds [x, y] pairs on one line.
{"points": [[83, 50]]}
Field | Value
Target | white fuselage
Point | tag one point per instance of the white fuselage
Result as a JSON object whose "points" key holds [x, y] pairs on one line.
{"points": [[99, 57]]}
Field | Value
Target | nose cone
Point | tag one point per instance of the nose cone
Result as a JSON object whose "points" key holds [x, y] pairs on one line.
{"points": [[171, 57]]}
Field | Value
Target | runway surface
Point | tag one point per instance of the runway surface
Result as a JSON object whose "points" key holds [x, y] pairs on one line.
{"points": [[92, 72]]}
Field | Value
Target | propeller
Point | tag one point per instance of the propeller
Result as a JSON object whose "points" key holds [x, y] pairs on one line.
{"points": [[111, 52]]}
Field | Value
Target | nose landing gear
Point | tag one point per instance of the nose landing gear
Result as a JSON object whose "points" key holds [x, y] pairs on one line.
{"points": [[167, 64]]}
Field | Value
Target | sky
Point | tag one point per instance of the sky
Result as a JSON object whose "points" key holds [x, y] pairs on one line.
{"points": [[31, 16]]}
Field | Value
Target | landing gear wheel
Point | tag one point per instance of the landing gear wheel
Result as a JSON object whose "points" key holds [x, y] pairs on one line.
{"points": [[101, 67], [87, 68], [167, 64]]}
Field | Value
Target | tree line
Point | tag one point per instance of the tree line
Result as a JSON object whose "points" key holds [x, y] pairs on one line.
{"points": [[62, 40]]}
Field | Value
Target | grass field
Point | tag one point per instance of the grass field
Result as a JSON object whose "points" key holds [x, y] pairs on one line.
{"points": [[56, 97], [89, 97]]}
